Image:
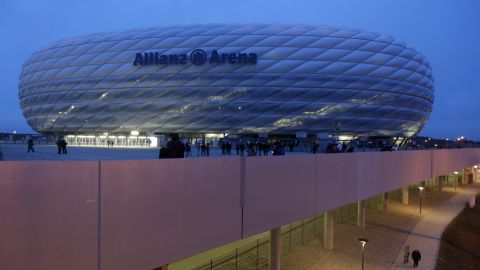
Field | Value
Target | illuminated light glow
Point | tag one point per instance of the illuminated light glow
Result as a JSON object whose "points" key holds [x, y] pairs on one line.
{"points": [[216, 98], [345, 138], [134, 133], [153, 140], [214, 135]]}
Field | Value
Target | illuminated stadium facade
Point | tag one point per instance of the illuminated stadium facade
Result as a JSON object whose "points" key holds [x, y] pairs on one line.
{"points": [[228, 78]]}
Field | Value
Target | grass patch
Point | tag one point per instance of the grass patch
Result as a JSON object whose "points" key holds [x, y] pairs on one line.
{"points": [[460, 245]]}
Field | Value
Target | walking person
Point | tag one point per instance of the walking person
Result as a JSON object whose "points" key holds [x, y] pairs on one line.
{"points": [[64, 146], [406, 253], [197, 144], [188, 149], [204, 149], [176, 147], [416, 257], [242, 149], [30, 146], [59, 145]]}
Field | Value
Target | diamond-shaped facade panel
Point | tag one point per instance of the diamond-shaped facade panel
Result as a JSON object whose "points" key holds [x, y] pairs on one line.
{"points": [[228, 78]]}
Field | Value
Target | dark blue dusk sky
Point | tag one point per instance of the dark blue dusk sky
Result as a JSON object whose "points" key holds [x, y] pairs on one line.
{"points": [[447, 32]]}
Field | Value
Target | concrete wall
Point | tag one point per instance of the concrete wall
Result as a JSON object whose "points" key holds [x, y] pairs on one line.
{"points": [[155, 212], [115, 215], [48, 215]]}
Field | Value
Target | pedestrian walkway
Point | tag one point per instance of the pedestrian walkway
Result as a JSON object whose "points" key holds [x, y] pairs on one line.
{"points": [[426, 235]]}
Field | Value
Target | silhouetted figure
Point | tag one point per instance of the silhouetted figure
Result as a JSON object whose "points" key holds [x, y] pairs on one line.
{"points": [[265, 148], [175, 147], [331, 148], [315, 147], [229, 148], [188, 150], [416, 257], [198, 146], [30, 146], [59, 145], [224, 148], [406, 253], [278, 149], [64, 146], [204, 149], [242, 149]]}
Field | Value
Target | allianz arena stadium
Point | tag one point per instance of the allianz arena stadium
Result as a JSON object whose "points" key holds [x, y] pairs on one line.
{"points": [[228, 78]]}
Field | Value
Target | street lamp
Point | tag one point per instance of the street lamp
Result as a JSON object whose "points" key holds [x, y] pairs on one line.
{"points": [[456, 180], [421, 191], [363, 241]]}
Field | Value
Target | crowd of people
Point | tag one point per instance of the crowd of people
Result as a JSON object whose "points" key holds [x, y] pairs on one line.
{"points": [[264, 147], [252, 148]]}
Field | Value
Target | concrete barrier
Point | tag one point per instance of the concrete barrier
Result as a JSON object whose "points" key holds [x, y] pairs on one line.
{"points": [[114, 215]]}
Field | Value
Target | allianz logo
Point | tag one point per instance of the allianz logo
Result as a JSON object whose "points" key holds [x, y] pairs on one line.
{"points": [[196, 57]]}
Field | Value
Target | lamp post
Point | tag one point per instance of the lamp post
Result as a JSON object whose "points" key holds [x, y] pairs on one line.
{"points": [[363, 241], [456, 180], [421, 191]]}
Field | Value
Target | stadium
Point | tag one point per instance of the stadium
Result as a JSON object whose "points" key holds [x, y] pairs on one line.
{"points": [[228, 79]]}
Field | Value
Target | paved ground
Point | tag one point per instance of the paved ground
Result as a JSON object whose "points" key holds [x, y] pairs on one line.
{"points": [[426, 235], [49, 152], [387, 232]]}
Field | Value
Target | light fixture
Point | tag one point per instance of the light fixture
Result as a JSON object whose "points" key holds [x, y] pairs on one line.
{"points": [[421, 191], [364, 242]]}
